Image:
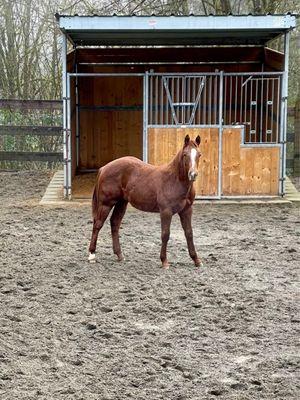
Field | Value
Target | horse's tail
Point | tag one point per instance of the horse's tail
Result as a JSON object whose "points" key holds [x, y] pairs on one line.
{"points": [[95, 200]]}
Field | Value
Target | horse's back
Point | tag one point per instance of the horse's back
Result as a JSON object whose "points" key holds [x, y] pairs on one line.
{"points": [[114, 177]]}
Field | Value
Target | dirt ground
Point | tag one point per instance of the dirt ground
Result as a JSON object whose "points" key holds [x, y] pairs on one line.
{"points": [[70, 330]]}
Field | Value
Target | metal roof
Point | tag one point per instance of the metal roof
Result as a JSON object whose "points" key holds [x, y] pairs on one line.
{"points": [[132, 30]]}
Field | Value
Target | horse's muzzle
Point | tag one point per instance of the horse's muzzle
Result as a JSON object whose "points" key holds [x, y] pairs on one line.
{"points": [[193, 175]]}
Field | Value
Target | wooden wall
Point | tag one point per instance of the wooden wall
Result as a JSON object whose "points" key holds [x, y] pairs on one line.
{"points": [[273, 60], [248, 170], [164, 143], [245, 170], [115, 128]]}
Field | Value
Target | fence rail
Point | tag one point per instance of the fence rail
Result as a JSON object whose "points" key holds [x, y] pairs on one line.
{"points": [[30, 130], [21, 110], [30, 156], [9, 104]]}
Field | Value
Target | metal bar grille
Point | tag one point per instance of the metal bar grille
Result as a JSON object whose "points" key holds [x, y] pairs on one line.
{"points": [[253, 100], [176, 100], [249, 99]]}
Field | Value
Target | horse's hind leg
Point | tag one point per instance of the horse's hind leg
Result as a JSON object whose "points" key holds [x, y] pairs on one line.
{"points": [[115, 222], [99, 220]]}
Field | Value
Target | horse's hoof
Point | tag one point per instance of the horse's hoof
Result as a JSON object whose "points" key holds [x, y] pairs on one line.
{"points": [[92, 258], [120, 258], [165, 265], [199, 264]]}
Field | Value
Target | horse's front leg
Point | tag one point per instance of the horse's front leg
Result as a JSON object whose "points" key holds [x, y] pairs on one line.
{"points": [[165, 217], [186, 222]]}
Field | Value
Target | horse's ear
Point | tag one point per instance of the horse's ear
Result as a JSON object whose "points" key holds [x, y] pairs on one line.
{"points": [[198, 140], [186, 140]]}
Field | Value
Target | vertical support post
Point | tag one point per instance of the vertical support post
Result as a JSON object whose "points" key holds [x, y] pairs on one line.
{"points": [[77, 110], [145, 116], [220, 122], [64, 97], [69, 159], [283, 121]]}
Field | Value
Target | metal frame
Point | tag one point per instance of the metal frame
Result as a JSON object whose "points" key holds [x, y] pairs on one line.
{"points": [[145, 117], [220, 122], [77, 107], [64, 98], [220, 136], [69, 159], [260, 113], [283, 127], [219, 118]]}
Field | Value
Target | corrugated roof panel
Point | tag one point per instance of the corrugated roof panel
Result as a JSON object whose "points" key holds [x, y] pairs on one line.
{"points": [[175, 30]]}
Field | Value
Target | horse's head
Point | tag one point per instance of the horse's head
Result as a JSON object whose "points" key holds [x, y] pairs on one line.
{"points": [[190, 156]]}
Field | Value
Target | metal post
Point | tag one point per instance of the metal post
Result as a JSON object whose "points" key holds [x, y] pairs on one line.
{"points": [[220, 135], [77, 110], [145, 117], [69, 159], [283, 123], [64, 96]]}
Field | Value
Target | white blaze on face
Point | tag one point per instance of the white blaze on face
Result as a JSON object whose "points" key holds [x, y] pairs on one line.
{"points": [[193, 158]]}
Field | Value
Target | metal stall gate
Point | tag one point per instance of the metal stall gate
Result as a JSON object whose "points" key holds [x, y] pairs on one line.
{"points": [[212, 104]]}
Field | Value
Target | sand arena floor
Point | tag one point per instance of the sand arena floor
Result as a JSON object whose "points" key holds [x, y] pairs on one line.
{"points": [[70, 330]]}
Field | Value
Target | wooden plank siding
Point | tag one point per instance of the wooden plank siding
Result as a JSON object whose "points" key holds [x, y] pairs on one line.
{"points": [[115, 128], [164, 143], [248, 170], [167, 55], [274, 60]]}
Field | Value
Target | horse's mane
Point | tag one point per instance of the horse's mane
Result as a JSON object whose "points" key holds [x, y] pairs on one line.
{"points": [[178, 166]]}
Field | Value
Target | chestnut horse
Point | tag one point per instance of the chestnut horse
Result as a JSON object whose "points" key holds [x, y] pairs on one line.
{"points": [[167, 189]]}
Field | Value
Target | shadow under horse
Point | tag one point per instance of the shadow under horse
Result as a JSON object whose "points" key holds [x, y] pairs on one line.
{"points": [[167, 189]]}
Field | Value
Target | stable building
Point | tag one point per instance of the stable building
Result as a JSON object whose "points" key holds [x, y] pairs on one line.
{"points": [[136, 85]]}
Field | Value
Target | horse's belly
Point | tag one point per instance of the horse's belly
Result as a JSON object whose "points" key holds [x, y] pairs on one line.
{"points": [[144, 200], [144, 207]]}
